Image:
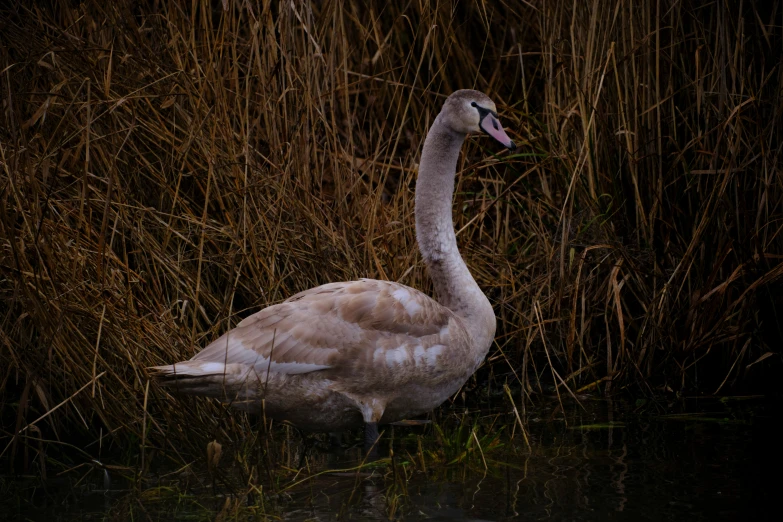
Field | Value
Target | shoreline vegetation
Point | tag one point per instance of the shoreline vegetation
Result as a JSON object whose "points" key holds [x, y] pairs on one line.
{"points": [[168, 168]]}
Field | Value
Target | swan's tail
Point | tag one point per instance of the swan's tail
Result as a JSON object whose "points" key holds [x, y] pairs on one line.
{"points": [[213, 379]]}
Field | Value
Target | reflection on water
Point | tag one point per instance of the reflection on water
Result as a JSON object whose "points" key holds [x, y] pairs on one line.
{"points": [[703, 460], [694, 460]]}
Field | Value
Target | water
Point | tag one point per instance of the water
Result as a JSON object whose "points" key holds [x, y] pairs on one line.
{"points": [[608, 460]]}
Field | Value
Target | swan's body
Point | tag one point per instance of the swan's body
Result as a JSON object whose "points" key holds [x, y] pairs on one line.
{"points": [[343, 354]]}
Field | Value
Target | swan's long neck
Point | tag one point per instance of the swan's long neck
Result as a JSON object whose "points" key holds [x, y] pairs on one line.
{"points": [[454, 285]]}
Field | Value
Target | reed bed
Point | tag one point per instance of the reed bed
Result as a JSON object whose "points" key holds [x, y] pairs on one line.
{"points": [[167, 168]]}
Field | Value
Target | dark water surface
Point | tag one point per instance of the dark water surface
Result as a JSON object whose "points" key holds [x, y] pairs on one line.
{"points": [[691, 460]]}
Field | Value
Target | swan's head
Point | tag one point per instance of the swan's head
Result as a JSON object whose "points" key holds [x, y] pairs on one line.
{"points": [[468, 111]]}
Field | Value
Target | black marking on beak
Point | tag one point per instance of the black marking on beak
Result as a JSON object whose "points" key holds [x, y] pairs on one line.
{"points": [[483, 113]]}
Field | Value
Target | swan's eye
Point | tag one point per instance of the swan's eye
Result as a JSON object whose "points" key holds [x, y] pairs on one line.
{"points": [[474, 104]]}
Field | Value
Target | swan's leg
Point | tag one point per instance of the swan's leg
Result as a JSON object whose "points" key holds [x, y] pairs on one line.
{"points": [[372, 412], [371, 437]]}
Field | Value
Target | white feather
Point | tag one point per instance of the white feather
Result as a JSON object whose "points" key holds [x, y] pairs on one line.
{"points": [[407, 301], [212, 367]]}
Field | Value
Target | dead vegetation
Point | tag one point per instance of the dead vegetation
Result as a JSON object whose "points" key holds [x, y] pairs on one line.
{"points": [[167, 168]]}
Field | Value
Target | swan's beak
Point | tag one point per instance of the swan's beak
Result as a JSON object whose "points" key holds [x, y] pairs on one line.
{"points": [[490, 124]]}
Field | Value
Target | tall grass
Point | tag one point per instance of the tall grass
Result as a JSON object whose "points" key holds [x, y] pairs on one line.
{"points": [[168, 168]]}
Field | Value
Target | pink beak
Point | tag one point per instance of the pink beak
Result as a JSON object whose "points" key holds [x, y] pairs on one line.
{"points": [[490, 124]]}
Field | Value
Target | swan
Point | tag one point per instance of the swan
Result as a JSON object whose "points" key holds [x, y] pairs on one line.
{"points": [[365, 352]]}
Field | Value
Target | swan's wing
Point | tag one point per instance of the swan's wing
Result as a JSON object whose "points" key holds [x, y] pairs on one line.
{"points": [[349, 327]]}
